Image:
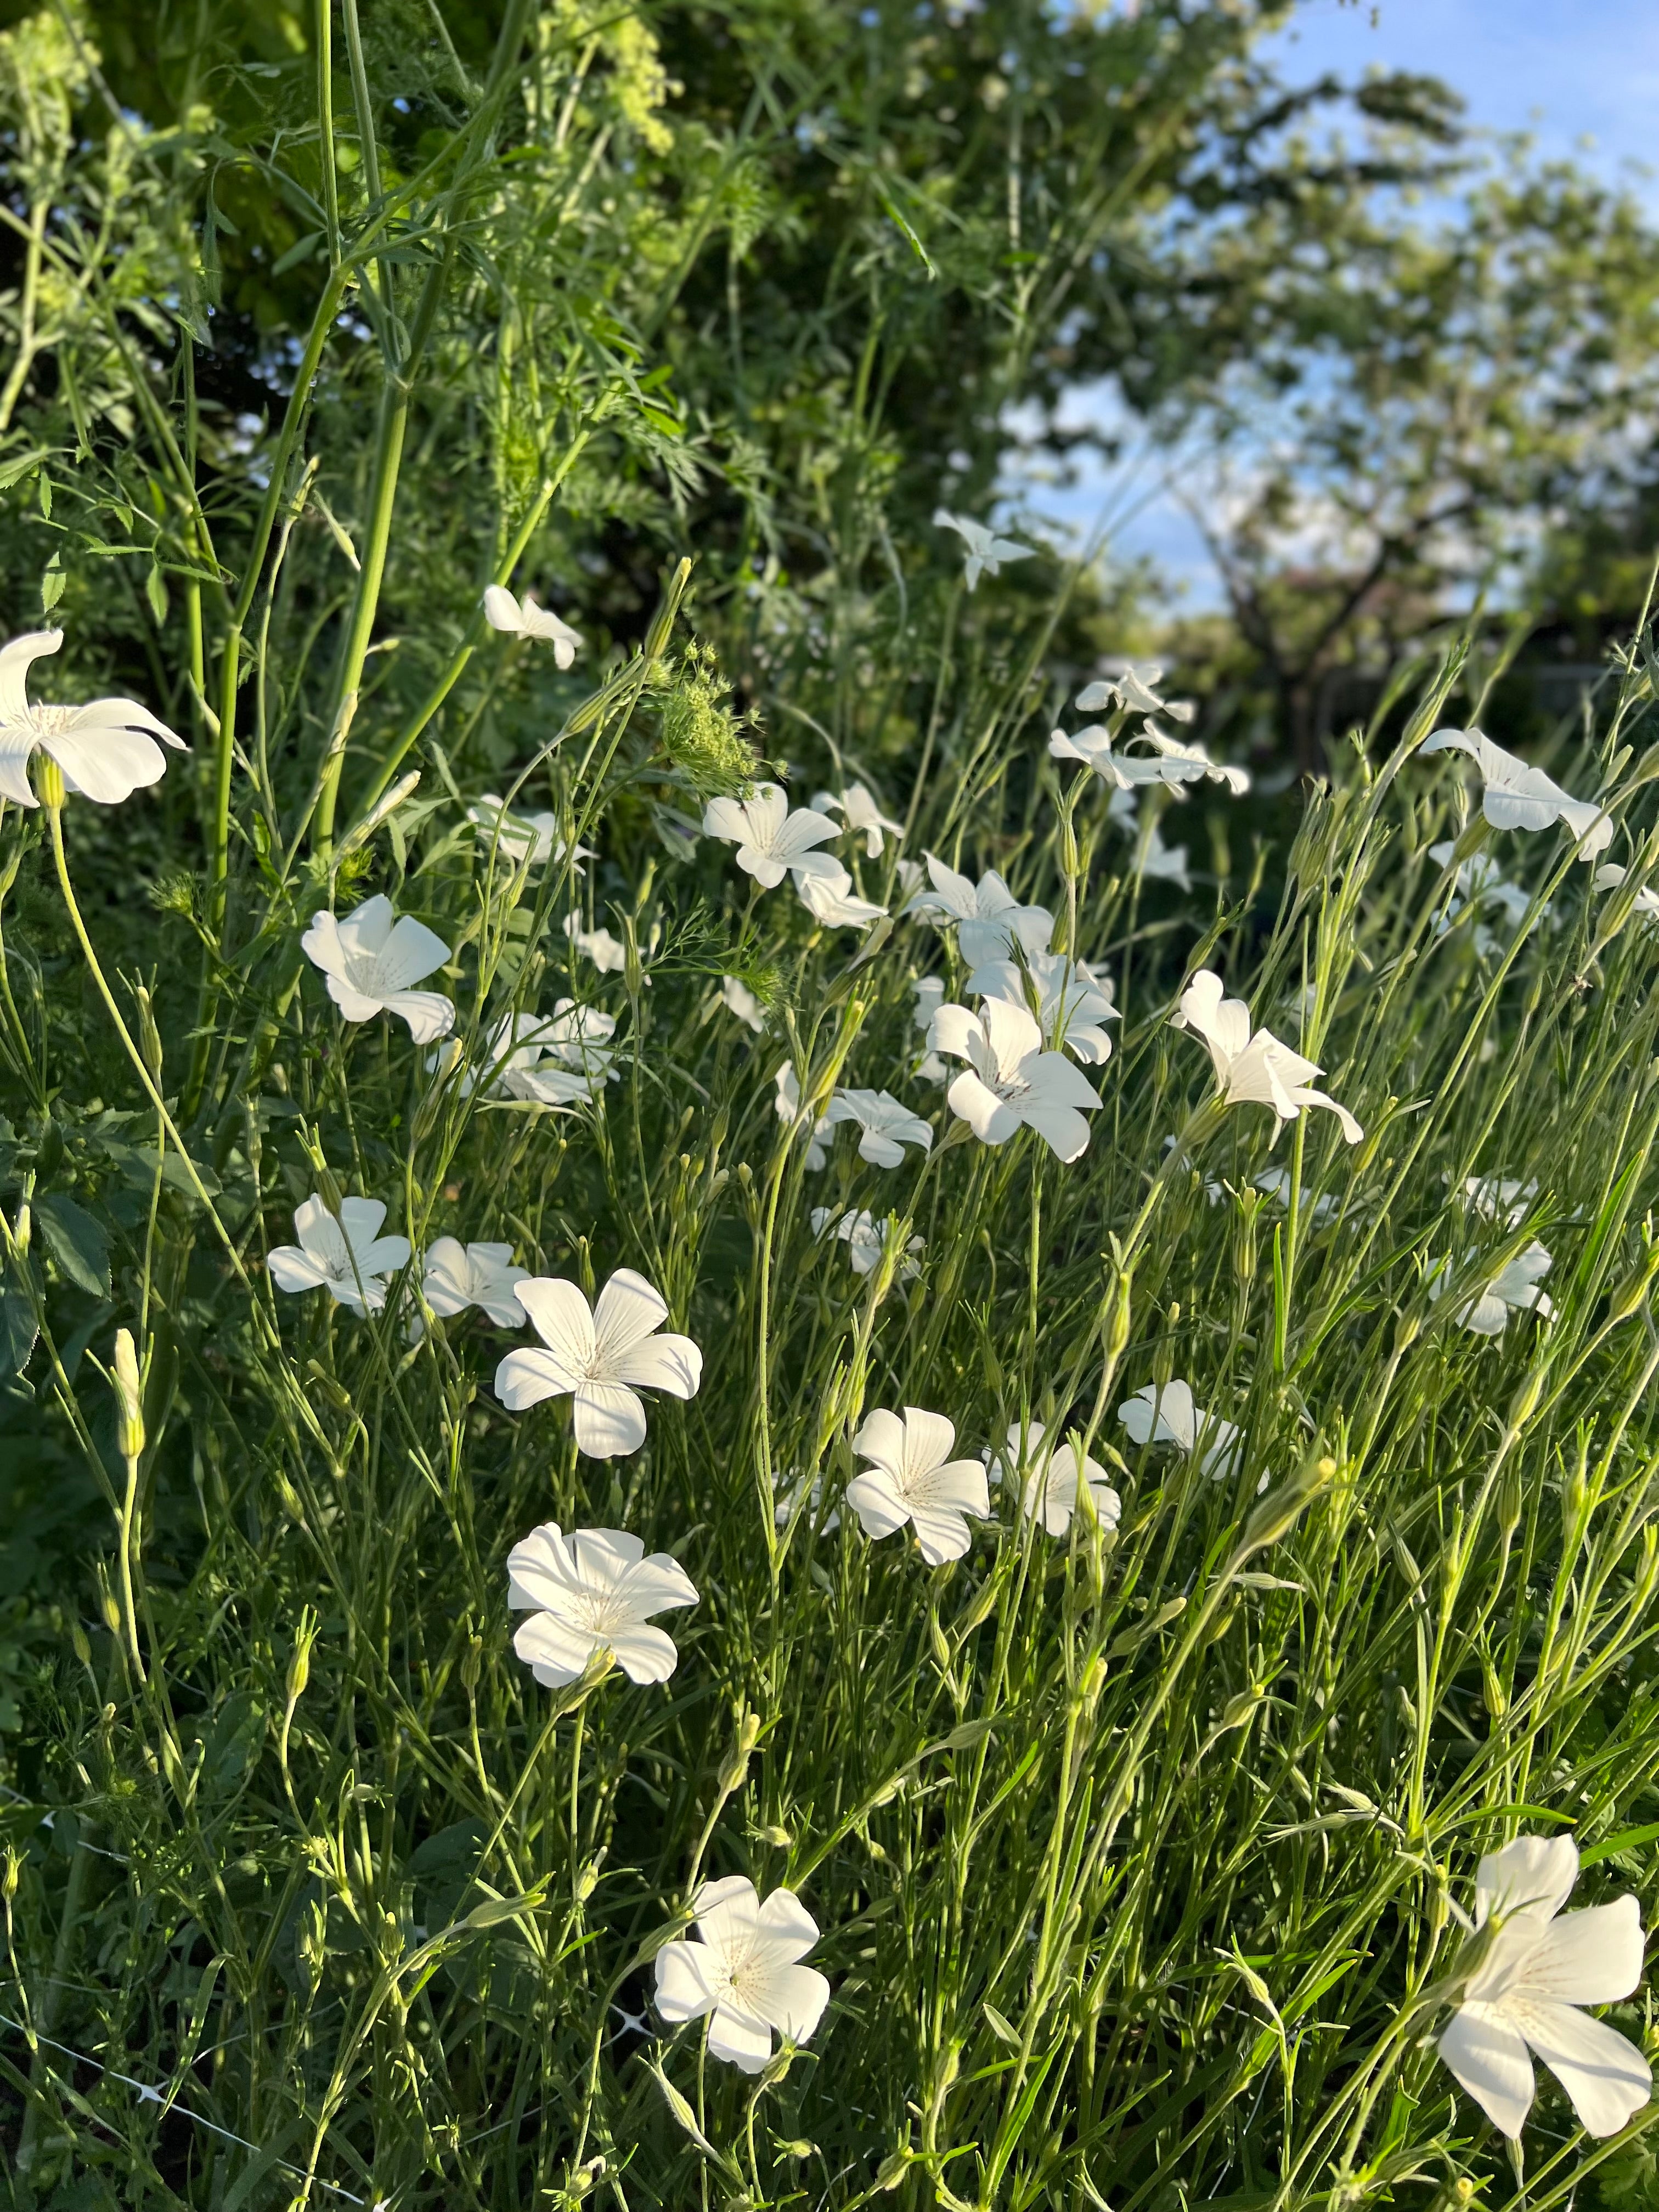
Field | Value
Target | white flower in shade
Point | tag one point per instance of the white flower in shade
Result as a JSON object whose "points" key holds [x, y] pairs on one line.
{"points": [[1155, 862], [1514, 1288], [930, 997], [1053, 1487], [559, 1060], [787, 1106], [457, 1275], [1170, 761], [594, 1590], [989, 919], [1170, 1417], [911, 876], [1253, 1068], [1518, 797], [1534, 1971], [1500, 1198], [866, 1239], [860, 811], [802, 1498], [1276, 1182], [913, 1481], [1071, 1000], [985, 551], [770, 839], [1011, 1080], [533, 838], [503, 611], [346, 1256], [601, 1356], [886, 1126], [1133, 690], [744, 1972], [737, 997], [1478, 880], [608, 953], [371, 961], [1610, 875], [832, 901], [105, 750]]}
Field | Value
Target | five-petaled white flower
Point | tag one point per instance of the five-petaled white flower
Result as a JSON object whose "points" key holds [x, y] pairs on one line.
{"points": [[456, 1276], [533, 838], [985, 551], [831, 900], [608, 953], [1518, 797], [770, 839], [866, 1239], [559, 1059], [1501, 1198], [1073, 1001], [503, 611], [912, 1480], [594, 1590], [860, 811], [786, 1105], [105, 750], [1168, 1416], [1134, 690], [1053, 1487], [1533, 1968], [744, 1972], [371, 961], [989, 919], [886, 1126], [1170, 761], [1253, 1069], [346, 1256], [602, 1356], [1011, 1080], [1516, 1286], [737, 997]]}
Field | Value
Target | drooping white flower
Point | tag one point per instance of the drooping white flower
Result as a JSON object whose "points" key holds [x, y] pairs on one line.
{"points": [[1053, 1488], [521, 835], [107, 749], [832, 901], [886, 1126], [989, 919], [1073, 1001], [865, 1238], [1171, 761], [1527, 1989], [913, 1481], [1518, 797], [1500, 1198], [594, 1590], [985, 551], [860, 811], [737, 997], [786, 1105], [456, 1276], [770, 839], [744, 1972], [559, 1060], [1169, 1416], [608, 953], [1514, 1288], [371, 961], [346, 1256], [1610, 875], [503, 611], [1133, 690], [1011, 1080], [601, 1356], [1253, 1068]]}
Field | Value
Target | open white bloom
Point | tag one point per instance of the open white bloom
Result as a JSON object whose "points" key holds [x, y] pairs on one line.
{"points": [[1170, 1417], [737, 997], [105, 750], [1500, 1198], [989, 919], [1253, 1069], [1170, 761], [503, 611], [594, 1590], [913, 1480], [1276, 1182], [770, 839], [860, 810], [1518, 797], [456, 1276], [786, 1105], [1053, 1486], [744, 1972], [1534, 1971], [346, 1256], [886, 1126], [1610, 875], [1156, 862], [1073, 1001], [865, 1238], [985, 551], [533, 838], [608, 953], [602, 1356], [1133, 690], [559, 1060], [1011, 1080], [832, 901], [371, 961], [1516, 1287]]}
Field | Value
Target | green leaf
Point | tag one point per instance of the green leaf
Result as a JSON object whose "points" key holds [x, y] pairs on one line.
{"points": [[1627, 1839], [155, 592], [18, 1330], [76, 1242]]}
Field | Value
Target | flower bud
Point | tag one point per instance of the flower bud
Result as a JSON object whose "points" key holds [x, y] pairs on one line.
{"points": [[129, 1397], [48, 782], [1117, 1323], [1279, 1511], [149, 1037], [1524, 1404], [112, 1614], [78, 1644], [735, 1772]]}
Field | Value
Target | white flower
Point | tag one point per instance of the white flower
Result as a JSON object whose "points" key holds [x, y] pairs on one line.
{"points": [[1052, 1487], [736, 995], [348, 1258], [602, 1355], [1505, 1198], [886, 1126], [608, 953], [803, 1496], [533, 838], [1253, 1069], [1527, 1989], [372, 962], [1276, 1182], [744, 1972], [930, 997], [1516, 1286], [594, 1590], [1518, 797], [832, 901], [913, 1480], [1011, 1079], [911, 875], [459, 1275], [105, 750], [1610, 875], [1157, 862], [985, 551], [1134, 690], [866, 1237], [559, 1060], [770, 839], [503, 612], [1071, 1000], [860, 811], [989, 920], [1170, 761], [786, 1105], [1170, 1417]]}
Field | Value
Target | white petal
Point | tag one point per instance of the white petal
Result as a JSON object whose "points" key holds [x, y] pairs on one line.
{"points": [[1489, 2058], [610, 1420], [875, 1498], [411, 952], [682, 1990], [524, 1378], [740, 2038], [673, 1364], [561, 1316], [1533, 1874], [106, 765], [428, 1013], [881, 1438], [941, 1535], [785, 1920], [1605, 2075], [1062, 1128], [15, 660], [644, 1654], [15, 746], [1590, 1957], [989, 1117], [795, 1998], [292, 1269], [557, 1649], [628, 1310]]}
